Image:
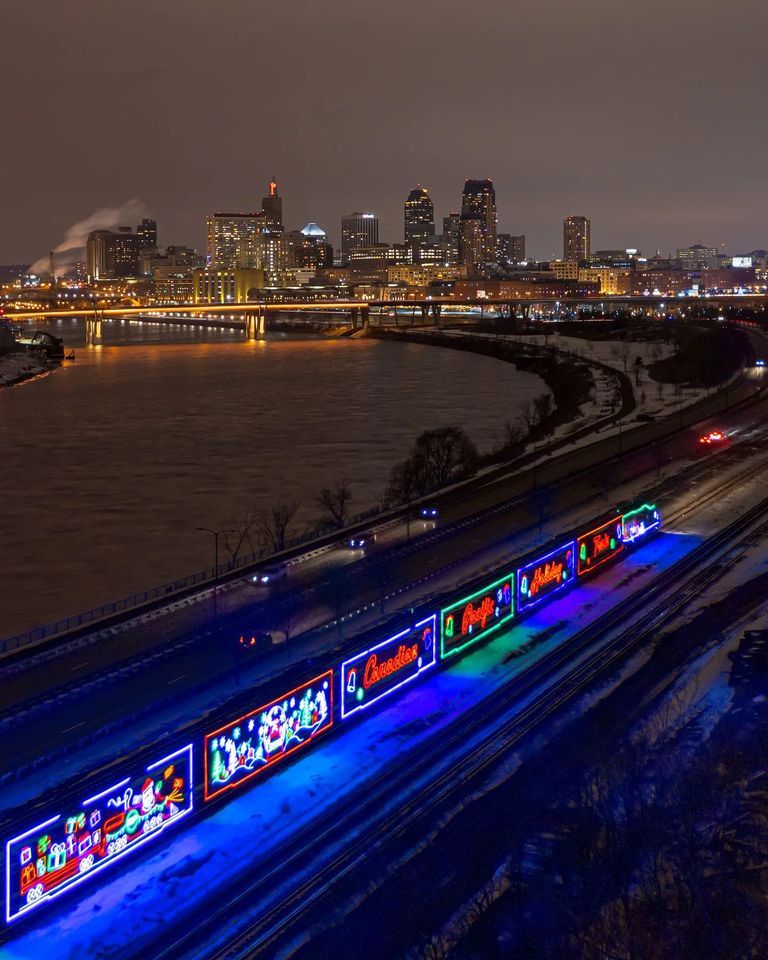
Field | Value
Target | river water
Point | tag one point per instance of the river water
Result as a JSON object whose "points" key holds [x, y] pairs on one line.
{"points": [[110, 463]]}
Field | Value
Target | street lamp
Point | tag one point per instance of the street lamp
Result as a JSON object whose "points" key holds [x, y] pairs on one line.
{"points": [[216, 534]]}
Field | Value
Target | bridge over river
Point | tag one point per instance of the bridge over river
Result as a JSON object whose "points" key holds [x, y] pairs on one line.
{"points": [[359, 313]]}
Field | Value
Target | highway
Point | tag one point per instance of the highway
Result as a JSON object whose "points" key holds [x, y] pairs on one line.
{"points": [[139, 677]]}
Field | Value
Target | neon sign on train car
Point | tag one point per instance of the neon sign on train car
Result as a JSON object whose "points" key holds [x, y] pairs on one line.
{"points": [[69, 848], [542, 577], [599, 545], [374, 673], [475, 617], [637, 523], [258, 740]]}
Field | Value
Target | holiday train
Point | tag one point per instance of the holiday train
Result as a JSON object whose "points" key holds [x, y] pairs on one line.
{"points": [[39, 867]]}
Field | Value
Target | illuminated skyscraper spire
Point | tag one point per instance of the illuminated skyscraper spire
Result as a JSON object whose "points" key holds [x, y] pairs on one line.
{"points": [[272, 208]]}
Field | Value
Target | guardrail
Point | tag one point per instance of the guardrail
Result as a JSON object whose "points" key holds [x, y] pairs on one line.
{"points": [[167, 590]]}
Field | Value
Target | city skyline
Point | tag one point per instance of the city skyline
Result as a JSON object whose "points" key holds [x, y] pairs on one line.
{"points": [[674, 157], [335, 231]]}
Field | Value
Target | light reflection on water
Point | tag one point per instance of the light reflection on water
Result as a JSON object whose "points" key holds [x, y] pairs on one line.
{"points": [[110, 463]]}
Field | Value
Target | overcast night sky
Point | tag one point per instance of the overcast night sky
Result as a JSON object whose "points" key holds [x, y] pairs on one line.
{"points": [[648, 118]]}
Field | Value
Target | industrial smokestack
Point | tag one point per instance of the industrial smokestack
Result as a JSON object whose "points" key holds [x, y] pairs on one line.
{"points": [[76, 237], [52, 269]]}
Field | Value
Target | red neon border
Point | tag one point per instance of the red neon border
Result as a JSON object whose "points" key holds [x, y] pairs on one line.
{"points": [[619, 548], [233, 786]]}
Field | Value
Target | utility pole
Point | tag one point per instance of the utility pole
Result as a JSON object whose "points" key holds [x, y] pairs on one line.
{"points": [[216, 534]]}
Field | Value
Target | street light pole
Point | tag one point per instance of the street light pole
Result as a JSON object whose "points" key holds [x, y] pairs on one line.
{"points": [[216, 534]]}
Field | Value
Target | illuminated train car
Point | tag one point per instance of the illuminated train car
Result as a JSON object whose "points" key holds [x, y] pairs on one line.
{"points": [[48, 859], [639, 522], [82, 838]]}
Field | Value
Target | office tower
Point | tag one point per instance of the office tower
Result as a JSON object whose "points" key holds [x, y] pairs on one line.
{"points": [[272, 208], [576, 239], [309, 248], [510, 249], [450, 238], [358, 230], [478, 202], [697, 257], [472, 246], [98, 259], [418, 219], [113, 254], [231, 237], [147, 234], [125, 252]]}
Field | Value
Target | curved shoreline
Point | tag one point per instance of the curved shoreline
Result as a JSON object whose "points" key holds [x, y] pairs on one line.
{"points": [[541, 361]]}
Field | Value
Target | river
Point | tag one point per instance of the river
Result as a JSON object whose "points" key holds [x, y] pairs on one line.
{"points": [[111, 463]]}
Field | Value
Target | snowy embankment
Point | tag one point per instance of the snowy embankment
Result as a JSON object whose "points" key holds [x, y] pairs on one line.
{"points": [[16, 367], [605, 396], [651, 396]]}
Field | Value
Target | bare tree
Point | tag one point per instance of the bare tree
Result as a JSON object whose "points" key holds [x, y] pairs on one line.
{"points": [[335, 502], [407, 482], [543, 406], [448, 454], [273, 523], [529, 414], [625, 351], [438, 457], [512, 436], [241, 535]]}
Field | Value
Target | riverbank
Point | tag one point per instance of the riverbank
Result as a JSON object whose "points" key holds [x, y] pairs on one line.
{"points": [[242, 427], [572, 384], [15, 368]]}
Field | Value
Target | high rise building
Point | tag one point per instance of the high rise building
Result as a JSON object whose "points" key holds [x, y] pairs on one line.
{"points": [[450, 238], [472, 246], [125, 252], [113, 254], [510, 249], [358, 230], [478, 203], [147, 234], [310, 248], [272, 208], [576, 239], [98, 255], [697, 257], [231, 237], [419, 219]]}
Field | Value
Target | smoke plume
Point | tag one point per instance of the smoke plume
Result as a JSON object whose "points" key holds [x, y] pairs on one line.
{"points": [[72, 246]]}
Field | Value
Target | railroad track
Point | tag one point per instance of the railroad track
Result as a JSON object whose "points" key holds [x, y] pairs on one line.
{"points": [[551, 683]]}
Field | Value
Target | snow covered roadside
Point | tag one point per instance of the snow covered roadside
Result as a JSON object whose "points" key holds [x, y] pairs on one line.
{"points": [[17, 367]]}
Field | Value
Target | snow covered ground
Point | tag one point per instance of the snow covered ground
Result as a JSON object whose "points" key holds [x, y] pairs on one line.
{"points": [[651, 397], [110, 918], [17, 367]]}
